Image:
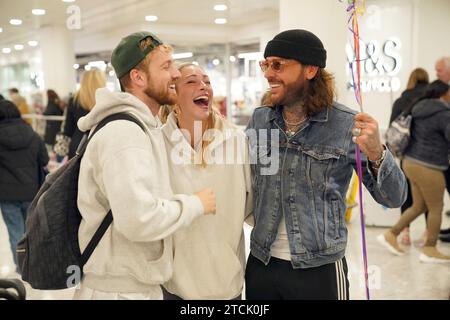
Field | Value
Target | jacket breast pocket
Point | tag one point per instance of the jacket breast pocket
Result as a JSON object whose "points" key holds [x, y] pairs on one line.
{"points": [[318, 163]]}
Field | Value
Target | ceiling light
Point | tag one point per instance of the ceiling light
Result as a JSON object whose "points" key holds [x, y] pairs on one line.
{"points": [[15, 22], [251, 56], [220, 7], [216, 62], [68, 0], [182, 55], [76, 66], [18, 47], [195, 62], [38, 12], [151, 18], [1, 30], [220, 21], [6, 50], [100, 64], [87, 67], [32, 43], [232, 58]]}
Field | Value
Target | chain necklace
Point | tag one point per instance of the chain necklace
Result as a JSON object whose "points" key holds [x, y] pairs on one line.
{"points": [[291, 132]]}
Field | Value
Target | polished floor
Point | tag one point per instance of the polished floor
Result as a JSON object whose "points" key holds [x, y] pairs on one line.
{"points": [[390, 277]]}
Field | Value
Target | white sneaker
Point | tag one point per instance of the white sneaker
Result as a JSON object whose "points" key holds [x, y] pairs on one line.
{"points": [[427, 259], [388, 246]]}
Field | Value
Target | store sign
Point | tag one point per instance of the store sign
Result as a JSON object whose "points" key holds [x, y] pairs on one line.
{"points": [[380, 65]]}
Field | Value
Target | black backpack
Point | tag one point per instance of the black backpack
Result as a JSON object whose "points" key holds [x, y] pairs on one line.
{"points": [[49, 256]]}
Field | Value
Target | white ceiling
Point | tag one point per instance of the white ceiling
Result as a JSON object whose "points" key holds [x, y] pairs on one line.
{"points": [[99, 17]]}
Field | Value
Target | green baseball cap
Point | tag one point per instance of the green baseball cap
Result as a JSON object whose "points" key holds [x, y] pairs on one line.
{"points": [[128, 54]]}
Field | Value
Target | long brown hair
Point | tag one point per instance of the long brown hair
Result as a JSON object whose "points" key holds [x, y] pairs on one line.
{"points": [[319, 92], [417, 76]]}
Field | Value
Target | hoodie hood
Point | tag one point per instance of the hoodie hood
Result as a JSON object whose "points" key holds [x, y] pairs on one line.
{"points": [[428, 107], [108, 103], [15, 134]]}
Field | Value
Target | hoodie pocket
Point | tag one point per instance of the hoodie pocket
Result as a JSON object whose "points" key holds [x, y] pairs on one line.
{"points": [[160, 269]]}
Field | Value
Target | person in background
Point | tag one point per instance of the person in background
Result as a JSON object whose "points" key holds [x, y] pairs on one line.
{"points": [[52, 127], [22, 157], [442, 68], [81, 104], [425, 160], [417, 82], [209, 255], [21, 103]]}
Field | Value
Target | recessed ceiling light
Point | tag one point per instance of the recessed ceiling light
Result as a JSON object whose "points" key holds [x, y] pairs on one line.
{"points": [[15, 22], [68, 0], [87, 67], [220, 7], [32, 43], [151, 18], [6, 50], [220, 21], [18, 47], [76, 66], [1, 30], [216, 62], [38, 12], [232, 58]]}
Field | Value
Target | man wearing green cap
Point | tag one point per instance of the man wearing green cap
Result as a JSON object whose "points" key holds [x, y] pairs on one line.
{"points": [[125, 170]]}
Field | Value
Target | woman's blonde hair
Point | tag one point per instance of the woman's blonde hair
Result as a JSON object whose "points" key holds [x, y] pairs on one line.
{"points": [[90, 82], [215, 119], [417, 76]]}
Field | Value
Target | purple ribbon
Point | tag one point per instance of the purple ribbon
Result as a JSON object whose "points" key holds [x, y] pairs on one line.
{"points": [[361, 210]]}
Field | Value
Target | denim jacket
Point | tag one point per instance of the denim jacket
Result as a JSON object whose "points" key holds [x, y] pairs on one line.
{"points": [[305, 178]]}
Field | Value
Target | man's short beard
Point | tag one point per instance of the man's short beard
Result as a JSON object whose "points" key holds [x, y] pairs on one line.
{"points": [[161, 96]]}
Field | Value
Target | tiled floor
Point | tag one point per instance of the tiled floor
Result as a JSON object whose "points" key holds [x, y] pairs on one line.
{"points": [[391, 277]]}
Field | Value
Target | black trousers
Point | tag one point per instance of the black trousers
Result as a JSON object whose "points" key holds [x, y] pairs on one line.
{"points": [[280, 281]]}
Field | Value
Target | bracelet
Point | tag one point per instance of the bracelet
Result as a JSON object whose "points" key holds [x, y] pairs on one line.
{"points": [[377, 163]]}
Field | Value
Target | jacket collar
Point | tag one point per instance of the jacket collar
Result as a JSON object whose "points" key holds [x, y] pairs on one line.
{"points": [[276, 113]]}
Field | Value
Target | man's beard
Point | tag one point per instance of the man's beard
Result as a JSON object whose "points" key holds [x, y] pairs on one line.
{"points": [[295, 92], [160, 95]]}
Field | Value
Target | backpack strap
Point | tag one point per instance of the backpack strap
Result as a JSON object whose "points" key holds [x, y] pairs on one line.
{"points": [[80, 152]]}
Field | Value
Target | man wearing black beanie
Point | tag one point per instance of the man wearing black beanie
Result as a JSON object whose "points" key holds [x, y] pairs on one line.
{"points": [[299, 238]]}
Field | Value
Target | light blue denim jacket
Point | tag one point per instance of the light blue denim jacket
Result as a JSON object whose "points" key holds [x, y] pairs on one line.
{"points": [[305, 178]]}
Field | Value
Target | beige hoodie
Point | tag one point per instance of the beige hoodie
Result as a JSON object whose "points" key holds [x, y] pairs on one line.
{"points": [[209, 256], [126, 170]]}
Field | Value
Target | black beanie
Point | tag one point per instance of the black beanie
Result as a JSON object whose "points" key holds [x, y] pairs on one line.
{"points": [[300, 45]]}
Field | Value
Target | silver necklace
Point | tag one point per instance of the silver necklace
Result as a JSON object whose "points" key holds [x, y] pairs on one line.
{"points": [[290, 133]]}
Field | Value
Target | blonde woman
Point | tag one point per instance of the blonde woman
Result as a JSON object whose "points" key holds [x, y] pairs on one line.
{"points": [[204, 149], [82, 102]]}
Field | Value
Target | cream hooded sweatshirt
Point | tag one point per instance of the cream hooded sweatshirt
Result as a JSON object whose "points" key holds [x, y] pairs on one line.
{"points": [[209, 256], [126, 170]]}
